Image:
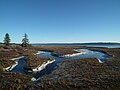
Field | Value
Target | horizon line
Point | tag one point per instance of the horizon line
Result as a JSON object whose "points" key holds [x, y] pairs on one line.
{"points": [[70, 42]]}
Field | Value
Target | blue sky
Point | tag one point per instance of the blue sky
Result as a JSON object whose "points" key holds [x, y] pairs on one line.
{"points": [[61, 20]]}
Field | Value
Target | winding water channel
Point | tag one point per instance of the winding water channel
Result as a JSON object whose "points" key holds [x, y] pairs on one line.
{"points": [[101, 56]]}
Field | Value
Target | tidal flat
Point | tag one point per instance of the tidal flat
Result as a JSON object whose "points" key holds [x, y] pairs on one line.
{"points": [[78, 74]]}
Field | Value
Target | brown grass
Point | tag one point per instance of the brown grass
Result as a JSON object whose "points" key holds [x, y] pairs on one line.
{"points": [[58, 49], [81, 74], [13, 81], [86, 74], [16, 81], [33, 61], [5, 57]]}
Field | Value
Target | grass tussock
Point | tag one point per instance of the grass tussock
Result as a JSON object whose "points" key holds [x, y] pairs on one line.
{"points": [[33, 61], [13, 81]]}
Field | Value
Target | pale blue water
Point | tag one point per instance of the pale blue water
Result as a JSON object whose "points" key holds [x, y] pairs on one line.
{"points": [[105, 45], [51, 67], [89, 54]]}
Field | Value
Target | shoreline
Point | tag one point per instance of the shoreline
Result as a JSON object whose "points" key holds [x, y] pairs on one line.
{"points": [[43, 66], [10, 68], [74, 54], [72, 74], [40, 68]]}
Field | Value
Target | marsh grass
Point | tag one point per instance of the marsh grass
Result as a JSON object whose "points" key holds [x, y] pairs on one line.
{"points": [[80, 74]]}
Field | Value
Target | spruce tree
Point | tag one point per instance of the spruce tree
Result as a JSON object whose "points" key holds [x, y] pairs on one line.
{"points": [[25, 40], [7, 39]]}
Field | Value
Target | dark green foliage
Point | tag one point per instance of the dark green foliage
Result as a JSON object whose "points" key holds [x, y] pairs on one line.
{"points": [[7, 39], [25, 41]]}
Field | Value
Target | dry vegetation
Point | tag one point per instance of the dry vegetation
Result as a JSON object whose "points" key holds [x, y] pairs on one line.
{"points": [[13, 81], [58, 49], [33, 61], [16, 81], [86, 74], [81, 74], [6, 55]]}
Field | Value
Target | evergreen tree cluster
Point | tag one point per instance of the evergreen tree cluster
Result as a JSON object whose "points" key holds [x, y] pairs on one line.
{"points": [[7, 39], [25, 40]]}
